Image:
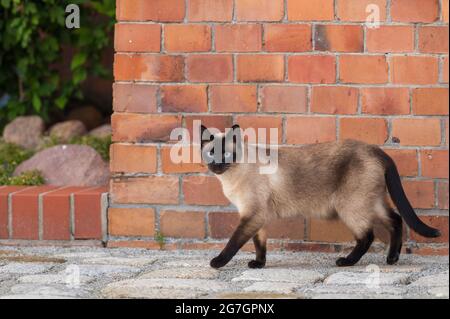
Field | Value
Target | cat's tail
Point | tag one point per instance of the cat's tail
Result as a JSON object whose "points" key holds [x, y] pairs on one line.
{"points": [[395, 188]]}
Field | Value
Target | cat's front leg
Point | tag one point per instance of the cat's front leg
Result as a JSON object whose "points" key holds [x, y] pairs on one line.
{"points": [[248, 228], [260, 241]]}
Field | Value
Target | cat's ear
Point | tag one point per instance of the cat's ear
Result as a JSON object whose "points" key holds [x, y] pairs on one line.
{"points": [[205, 135]]}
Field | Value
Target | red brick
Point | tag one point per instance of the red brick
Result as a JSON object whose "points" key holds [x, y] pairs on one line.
{"points": [[131, 222], [355, 10], [4, 193], [430, 101], [414, 70], [334, 100], [420, 193], [238, 37], [312, 69], [405, 160], [388, 39], [155, 10], [220, 122], [433, 39], [363, 69], [233, 98], [443, 195], [145, 190], [25, 212], [445, 11], [339, 38], [445, 68], [307, 10], [210, 10], [222, 224], [135, 98], [288, 228], [310, 130], [56, 214], [262, 122], [182, 224], [210, 68], [369, 130], [137, 37], [88, 213], [415, 10], [287, 99], [329, 231], [187, 38], [434, 163], [385, 101], [259, 10], [187, 165], [260, 68], [184, 98], [128, 158], [203, 190], [160, 68], [287, 38], [417, 132], [439, 222], [143, 128]]}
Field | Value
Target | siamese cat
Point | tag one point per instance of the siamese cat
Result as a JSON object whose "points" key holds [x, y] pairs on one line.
{"points": [[347, 180]]}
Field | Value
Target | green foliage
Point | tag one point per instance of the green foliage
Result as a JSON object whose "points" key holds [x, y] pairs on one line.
{"points": [[32, 37], [160, 239], [10, 157]]}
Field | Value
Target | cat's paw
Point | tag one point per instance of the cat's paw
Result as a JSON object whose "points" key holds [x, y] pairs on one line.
{"points": [[218, 262], [344, 262], [256, 264], [391, 260]]}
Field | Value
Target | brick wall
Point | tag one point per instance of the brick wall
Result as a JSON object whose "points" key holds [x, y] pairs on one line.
{"points": [[311, 68]]}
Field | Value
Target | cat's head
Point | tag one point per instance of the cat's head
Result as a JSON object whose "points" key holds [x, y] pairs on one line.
{"points": [[222, 150]]}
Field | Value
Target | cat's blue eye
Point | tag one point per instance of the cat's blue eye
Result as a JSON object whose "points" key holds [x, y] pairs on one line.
{"points": [[210, 154]]}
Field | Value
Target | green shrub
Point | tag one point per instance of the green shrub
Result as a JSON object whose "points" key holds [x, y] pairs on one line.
{"points": [[32, 37], [10, 157]]}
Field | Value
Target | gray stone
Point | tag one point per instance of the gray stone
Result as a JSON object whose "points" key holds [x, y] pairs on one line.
{"points": [[25, 268], [439, 292], [439, 280], [272, 287], [182, 273], [67, 130], [140, 290], [52, 279], [101, 131], [77, 165], [301, 277], [47, 290], [32, 296], [138, 262], [25, 131], [104, 270], [356, 290], [168, 283], [369, 279], [84, 254], [188, 263]]}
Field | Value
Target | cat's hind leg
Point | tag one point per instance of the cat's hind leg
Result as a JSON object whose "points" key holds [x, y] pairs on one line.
{"points": [[260, 241], [395, 227], [363, 244]]}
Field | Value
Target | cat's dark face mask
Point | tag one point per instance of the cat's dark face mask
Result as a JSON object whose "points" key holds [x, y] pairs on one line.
{"points": [[220, 151]]}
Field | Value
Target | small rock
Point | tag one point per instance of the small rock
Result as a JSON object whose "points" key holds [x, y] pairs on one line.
{"points": [[101, 131], [140, 290], [47, 290], [300, 277], [76, 165], [103, 270], [33, 297], [25, 131], [439, 280], [133, 286], [67, 130], [370, 279], [89, 115], [183, 273], [51, 279], [272, 287], [25, 268], [120, 261]]}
